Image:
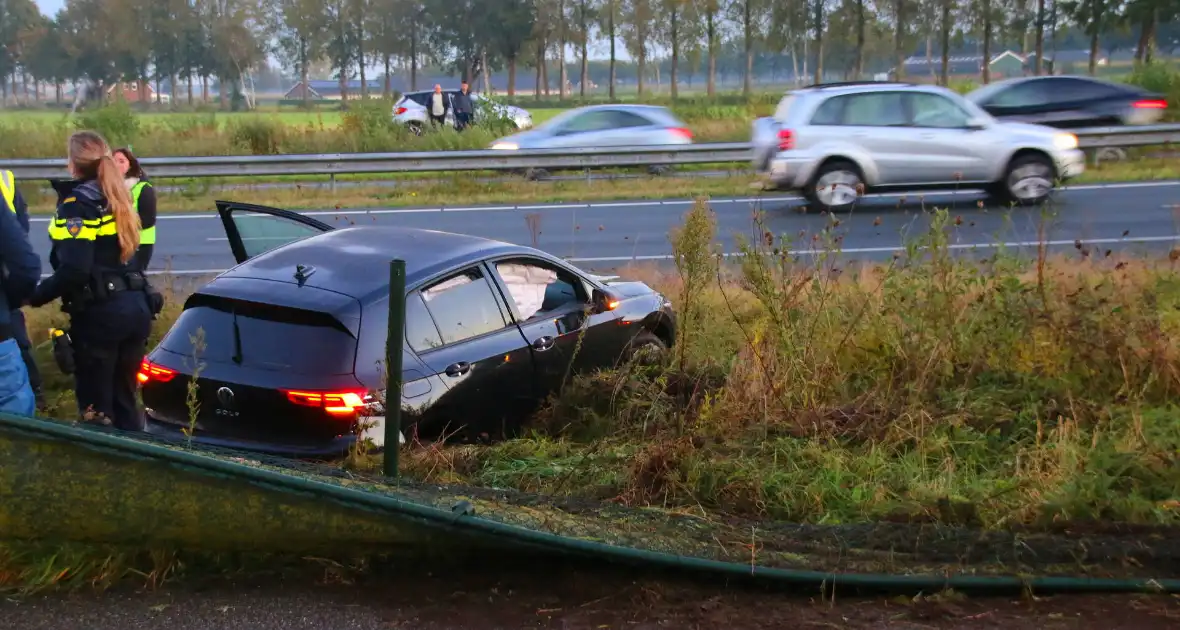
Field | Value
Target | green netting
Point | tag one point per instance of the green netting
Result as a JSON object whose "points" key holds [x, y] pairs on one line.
{"points": [[83, 483]]}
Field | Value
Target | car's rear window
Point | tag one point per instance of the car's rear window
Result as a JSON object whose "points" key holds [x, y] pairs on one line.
{"points": [[269, 337]]}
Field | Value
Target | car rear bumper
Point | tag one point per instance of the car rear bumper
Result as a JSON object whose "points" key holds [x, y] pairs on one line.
{"points": [[788, 172], [333, 449]]}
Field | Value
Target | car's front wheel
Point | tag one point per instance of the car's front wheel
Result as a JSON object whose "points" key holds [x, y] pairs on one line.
{"points": [[645, 348], [836, 186], [1028, 181]]}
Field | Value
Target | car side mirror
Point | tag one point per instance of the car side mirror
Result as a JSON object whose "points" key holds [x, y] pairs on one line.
{"points": [[975, 124], [602, 301]]}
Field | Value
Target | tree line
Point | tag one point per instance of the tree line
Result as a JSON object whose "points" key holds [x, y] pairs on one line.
{"points": [[193, 42]]}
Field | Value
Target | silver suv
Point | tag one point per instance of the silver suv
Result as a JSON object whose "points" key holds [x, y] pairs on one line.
{"points": [[836, 142]]}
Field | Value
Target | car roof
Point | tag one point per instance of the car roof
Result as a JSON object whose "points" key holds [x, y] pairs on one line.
{"points": [[355, 260]]}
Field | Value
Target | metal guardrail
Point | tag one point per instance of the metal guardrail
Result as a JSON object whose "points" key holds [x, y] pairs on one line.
{"points": [[504, 160]]}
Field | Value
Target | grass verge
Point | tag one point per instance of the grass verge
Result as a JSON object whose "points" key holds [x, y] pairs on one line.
{"points": [[993, 393], [464, 189]]}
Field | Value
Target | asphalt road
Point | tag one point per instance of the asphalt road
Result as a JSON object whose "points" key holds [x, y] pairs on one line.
{"points": [[1126, 217]]}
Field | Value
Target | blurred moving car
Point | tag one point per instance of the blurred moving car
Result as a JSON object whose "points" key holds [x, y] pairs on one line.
{"points": [[1069, 102], [290, 343], [836, 142], [411, 110], [597, 126]]}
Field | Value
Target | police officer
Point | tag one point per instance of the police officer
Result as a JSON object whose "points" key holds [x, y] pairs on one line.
{"points": [[143, 199], [21, 268], [14, 202], [94, 235]]}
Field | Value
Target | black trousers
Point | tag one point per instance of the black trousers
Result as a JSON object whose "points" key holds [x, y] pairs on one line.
{"points": [[462, 120], [110, 341], [21, 332], [438, 120]]}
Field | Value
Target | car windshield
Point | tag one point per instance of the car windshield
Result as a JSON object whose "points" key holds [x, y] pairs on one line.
{"points": [[982, 94]]}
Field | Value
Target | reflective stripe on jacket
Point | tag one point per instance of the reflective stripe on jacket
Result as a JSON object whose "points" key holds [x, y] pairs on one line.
{"points": [[147, 236], [8, 189]]}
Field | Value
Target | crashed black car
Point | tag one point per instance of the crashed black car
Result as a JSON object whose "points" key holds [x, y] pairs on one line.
{"points": [[287, 348]]}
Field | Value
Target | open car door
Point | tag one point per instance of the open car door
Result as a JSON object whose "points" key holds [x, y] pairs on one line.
{"points": [[254, 230]]}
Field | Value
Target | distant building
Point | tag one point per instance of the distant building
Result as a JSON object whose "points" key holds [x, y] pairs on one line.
{"points": [[130, 92], [1005, 64], [329, 90]]}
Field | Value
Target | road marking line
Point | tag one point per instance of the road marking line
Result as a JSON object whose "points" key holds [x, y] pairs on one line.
{"points": [[666, 202]]}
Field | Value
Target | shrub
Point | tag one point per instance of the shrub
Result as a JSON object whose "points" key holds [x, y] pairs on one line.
{"points": [[259, 135], [116, 122]]}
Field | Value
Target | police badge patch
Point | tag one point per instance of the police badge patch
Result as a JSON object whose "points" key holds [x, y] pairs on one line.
{"points": [[74, 226]]}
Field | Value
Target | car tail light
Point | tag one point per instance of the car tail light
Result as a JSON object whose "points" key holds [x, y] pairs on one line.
{"points": [[400, 111], [149, 371], [336, 403], [1151, 103], [786, 140], [682, 132]]}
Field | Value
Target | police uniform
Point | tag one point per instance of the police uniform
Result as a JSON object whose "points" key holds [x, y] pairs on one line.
{"points": [[20, 330], [145, 205], [107, 300]]}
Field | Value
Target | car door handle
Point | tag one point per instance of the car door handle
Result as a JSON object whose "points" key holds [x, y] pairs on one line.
{"points": [[542, 344], [458, 369]]}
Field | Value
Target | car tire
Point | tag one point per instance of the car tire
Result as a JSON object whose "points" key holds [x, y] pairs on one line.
{"points": [[659, 170], [1028, 181], [415, 128], [645, 347], [836, 186], [536, 174]]}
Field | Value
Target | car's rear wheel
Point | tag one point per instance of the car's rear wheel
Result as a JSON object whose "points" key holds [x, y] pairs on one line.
{"points": [[1027, 182], [836, 186], [415, 128]]}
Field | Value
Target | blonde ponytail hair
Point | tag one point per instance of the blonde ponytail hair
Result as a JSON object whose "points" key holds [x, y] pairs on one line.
{"points": [[91, 156]]}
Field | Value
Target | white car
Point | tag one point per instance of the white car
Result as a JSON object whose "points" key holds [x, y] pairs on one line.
{"points": [[411, 110]]}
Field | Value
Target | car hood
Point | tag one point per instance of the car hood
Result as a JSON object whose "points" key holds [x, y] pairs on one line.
{"points": [[1029, 129], [628, 288]]}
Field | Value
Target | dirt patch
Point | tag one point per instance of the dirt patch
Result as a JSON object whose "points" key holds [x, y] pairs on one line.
{"points": [[571, 598]]}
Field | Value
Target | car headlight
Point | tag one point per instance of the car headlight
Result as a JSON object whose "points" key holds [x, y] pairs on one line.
{"points": [[505, 146], [1065, 141]]}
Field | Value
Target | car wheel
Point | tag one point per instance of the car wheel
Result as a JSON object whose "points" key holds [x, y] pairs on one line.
{"points": [[659, 170], [536, 174], [645, 348], [1028, 181], [837, 186], [415, 128]]}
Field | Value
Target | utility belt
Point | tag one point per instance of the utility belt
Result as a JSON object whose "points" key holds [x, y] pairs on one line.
{"points": [[104, 285]]}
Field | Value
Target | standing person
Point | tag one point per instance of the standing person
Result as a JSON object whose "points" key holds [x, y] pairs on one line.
{"points": [[16, 203], [143, 199], [462, 106], [438, 106], [21, 269], [95, 235]]}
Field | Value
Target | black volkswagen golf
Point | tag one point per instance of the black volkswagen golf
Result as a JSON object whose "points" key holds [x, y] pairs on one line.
{"points": [[286, 349]]}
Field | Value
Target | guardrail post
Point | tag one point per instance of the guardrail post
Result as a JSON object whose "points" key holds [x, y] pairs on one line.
{"points": [[393, 366], [332, 183]]}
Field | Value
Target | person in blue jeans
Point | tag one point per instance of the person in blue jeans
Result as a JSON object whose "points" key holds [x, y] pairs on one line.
{"points": [[20, 270], [16, 203]]}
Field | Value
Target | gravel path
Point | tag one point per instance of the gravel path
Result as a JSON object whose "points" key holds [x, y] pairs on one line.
{"points": [[557, 598]]}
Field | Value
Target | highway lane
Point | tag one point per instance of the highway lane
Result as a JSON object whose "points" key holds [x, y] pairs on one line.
{"points": [[608, 234]]}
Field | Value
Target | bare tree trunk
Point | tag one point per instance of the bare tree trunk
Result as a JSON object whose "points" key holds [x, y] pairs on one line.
{"points": [[583, 23], [899, 38], [819, 41], [642, 68], [610, 28], [711, 34], [1039, 44], [414, 60], [859, 63], [945, 43], [675, 33], [540, 63], [484, 71], [748, 35], [387, 89], [561, 44], [987, 42]]}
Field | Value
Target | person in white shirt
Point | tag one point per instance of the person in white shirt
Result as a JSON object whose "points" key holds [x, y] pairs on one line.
{"points": [[438, 106]]}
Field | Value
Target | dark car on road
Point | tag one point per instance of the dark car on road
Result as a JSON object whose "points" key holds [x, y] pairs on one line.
{"points": [[287, 348], [1069, 102]]}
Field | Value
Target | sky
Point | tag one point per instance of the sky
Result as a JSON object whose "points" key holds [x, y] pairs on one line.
{"points": [[50, 7]]}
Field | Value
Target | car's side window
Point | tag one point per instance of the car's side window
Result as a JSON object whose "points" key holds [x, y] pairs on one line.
{"points": [[538, 289], [934, 110], [421, 332], [420, 98], [1029, 94], [463, 306], [589, 121], [830, 112], [876, 109], [621, 119]]}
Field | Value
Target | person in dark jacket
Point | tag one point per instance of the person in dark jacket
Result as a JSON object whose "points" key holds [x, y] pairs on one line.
{"points": [[21, 269], [16, 203], [462, 107], [143, 199], [94, 239]]}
